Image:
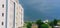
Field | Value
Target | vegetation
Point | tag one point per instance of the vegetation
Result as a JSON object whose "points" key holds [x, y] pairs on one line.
{"points": [[42, 24], [29, 24], [55, 22], [39, 23]]}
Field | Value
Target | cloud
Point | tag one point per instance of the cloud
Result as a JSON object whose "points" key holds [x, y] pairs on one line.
{"points": [[41, 8]]}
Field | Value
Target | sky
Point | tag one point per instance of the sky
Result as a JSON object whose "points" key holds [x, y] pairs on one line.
{"points": [[41, 9]]}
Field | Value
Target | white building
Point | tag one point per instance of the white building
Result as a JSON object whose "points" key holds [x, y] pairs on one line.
{"points": [[11, 14], [46, 21]]}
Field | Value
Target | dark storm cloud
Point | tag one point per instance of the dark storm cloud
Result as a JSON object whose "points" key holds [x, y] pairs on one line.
{"points": [[41, 8]]}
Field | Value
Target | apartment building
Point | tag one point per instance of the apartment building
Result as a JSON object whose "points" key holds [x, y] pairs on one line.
{"points": [[11, 14]]}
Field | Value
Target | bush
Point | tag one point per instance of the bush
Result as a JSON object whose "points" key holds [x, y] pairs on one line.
{"points": [[29, 24], [39, 23], [44, 26]]}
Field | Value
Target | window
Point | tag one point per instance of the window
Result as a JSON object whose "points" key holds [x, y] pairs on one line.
{"points": [[3, 6], [2, 14], [2, 23]]}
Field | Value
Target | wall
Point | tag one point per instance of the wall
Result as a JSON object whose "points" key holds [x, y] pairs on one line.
{"points": [[2, 13]]}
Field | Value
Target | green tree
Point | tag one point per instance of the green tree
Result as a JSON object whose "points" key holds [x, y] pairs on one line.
{"points": [[29, 24], [55, 22], [51, 24], [39, 23], [44, 26]]}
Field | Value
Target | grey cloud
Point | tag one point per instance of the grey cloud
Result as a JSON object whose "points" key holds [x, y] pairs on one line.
{"points": [[40, 8]]}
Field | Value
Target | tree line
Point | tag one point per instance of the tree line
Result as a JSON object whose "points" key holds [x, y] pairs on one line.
{"points": [[41, 24]]}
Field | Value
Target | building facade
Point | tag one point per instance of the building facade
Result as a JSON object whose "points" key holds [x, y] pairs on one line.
{"points": [[11, 14]]}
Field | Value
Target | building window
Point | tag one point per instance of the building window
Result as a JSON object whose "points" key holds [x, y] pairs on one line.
{"points": [[2, 14], [3, 6], [2, 23]]}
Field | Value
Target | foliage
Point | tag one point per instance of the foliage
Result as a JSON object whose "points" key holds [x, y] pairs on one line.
{"points": [[55, 22], [39, 23], [29, 24], [44, 26]]}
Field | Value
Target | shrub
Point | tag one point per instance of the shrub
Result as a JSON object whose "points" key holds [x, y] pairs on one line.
{"points": [[44, 26]]}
